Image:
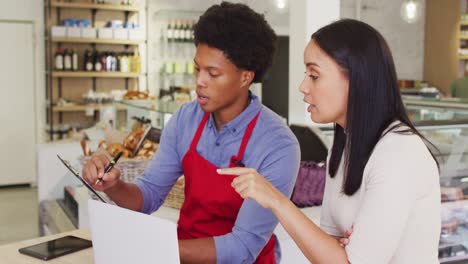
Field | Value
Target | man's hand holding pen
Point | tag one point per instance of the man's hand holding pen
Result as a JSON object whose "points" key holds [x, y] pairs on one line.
{"points": [[95, 169], [109, 167]]}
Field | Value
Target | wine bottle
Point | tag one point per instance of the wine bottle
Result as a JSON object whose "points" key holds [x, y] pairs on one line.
{"points": [[67, 60], [58, 59], [74, 60]]}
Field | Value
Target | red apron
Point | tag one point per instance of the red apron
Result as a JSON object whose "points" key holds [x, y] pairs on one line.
{"points": [[211, 204]]}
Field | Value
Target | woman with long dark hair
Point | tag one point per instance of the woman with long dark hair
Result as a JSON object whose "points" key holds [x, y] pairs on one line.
{"points": [[382, 189]]}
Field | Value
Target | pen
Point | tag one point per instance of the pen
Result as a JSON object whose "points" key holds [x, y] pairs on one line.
{"points": [[110, 166]]}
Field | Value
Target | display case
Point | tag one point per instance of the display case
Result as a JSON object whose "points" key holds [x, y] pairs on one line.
{"points": [[157, 112], [445, 124]]}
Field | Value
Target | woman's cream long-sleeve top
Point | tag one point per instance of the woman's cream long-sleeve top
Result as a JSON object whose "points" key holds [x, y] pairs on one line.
{"points": [[396, 212]]}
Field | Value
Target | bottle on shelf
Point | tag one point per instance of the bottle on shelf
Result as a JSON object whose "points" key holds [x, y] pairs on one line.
{"points": [[187, 31], [108, 61], [168, 67], [67, 60], [123, 59], [129, 61], [192, 25], [169, 31], [58, 60], [114, 62], [136, 61], [117, 61], [74, 60], [177, 31], [181, 31], [97, 61], [103, 59], [88, 61]]}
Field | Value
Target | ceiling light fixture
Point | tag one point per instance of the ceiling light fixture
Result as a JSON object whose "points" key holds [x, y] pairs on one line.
{"points": [[281, 4], [410, 11]]}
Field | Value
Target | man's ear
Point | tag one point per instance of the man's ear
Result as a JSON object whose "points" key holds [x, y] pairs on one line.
{"points": [[247, 77]]}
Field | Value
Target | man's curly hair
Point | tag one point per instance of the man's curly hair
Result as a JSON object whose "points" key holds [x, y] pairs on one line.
{"points": [[244, 36]]}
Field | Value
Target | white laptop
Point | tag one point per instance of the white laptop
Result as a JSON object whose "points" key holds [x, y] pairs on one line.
{"points": [[122, 236]]}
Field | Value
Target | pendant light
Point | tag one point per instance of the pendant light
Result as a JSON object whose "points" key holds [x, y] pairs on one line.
{"points": [[410, 11]]}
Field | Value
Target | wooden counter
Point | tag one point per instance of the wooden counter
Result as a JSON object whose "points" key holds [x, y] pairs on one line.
{"points": [[9, 252]]}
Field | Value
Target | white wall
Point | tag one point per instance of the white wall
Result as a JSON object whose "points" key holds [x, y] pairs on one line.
{"points": [[406, 41], [305, 17], [32, 10]]}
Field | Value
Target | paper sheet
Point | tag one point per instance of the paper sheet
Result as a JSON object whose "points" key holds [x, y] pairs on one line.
{"points": [[124, 236]]}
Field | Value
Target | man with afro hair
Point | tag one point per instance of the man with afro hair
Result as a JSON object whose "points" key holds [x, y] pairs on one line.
{"points": [[226, 126]]}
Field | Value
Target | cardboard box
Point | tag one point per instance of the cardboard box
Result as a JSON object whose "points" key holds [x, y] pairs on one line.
{"points": [[136, 34], [73, 32], [105, 33], [58, 31], [120, 33], [88, 32]]}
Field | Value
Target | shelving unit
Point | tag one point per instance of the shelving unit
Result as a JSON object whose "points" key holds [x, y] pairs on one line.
{"points": [[79, 108], [463, 42], [96, 6], [71, 85], [463, 45], [85, 74], [170, 36], [96, 41]]}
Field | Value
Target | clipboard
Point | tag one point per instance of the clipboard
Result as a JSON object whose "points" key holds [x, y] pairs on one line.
{"points": [[75, 172]]}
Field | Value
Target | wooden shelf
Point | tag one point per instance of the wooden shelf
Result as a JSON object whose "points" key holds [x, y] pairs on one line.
{"points": [[98, 41], [110, 7], [80, 108], [84, 74], [463, 36], [463, 23], [463, 57]]}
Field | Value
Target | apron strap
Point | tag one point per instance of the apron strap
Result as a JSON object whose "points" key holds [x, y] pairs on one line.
{"points": [[245, 139], [199, 132]]}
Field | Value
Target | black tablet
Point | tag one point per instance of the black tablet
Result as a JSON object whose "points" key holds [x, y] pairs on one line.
{"points": [[56, 248]]}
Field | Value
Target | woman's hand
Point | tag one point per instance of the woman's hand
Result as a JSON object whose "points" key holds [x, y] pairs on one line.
{"points": [[251, 185], [344, 241]]}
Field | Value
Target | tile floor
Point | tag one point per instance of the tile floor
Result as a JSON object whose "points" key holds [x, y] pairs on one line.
{"points": [[19, 218]]}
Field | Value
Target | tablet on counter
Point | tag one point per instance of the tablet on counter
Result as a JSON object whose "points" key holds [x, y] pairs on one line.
{"points": [[56, 247]]}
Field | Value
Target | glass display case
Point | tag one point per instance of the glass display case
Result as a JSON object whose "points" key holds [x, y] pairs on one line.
{"points": [[156, 112], [445, 124]]}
